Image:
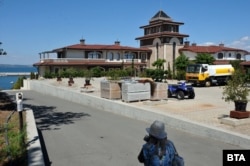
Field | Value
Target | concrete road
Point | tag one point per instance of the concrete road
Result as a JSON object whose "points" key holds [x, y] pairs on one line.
{"points": [[77, 135]]}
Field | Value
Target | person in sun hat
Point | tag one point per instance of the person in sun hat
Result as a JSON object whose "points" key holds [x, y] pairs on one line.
{"points": [[157, 151]]}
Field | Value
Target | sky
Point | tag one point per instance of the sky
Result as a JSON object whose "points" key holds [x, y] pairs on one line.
{"points": [[28, 27]]}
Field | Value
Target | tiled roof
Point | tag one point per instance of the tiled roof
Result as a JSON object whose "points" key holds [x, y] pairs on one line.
{"points": [[160, 14], [101, 47], [161, 34], [209, 49], [221, 62], [245, 63]]}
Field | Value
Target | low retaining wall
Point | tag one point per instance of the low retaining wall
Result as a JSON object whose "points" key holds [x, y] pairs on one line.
{"points": [[35, 154], [119, 107]]}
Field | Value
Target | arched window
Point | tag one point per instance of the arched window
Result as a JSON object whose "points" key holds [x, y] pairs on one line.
{"points": [[94, 55], [238, 56], [128, 55], [117, 56], [220, 55], [110, 56]]}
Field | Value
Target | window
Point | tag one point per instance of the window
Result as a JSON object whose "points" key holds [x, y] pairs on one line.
{"points": [[143, 56], [220, 55], [110, 56], [94, 55], [117, 56], [229, 55], [128, 55], [238, 56]]}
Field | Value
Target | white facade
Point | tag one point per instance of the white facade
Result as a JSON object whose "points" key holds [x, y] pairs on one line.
{"points": [[224, 55]]}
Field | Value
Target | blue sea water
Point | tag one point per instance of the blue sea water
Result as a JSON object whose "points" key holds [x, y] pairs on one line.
{"points": [[7, 82]]}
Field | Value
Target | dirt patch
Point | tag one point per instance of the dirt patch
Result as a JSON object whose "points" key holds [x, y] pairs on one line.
{"points": [[206, 105]]}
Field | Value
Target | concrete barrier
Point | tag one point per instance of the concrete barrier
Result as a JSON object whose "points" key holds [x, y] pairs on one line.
{"points": [[145, 114], [35, 154]]}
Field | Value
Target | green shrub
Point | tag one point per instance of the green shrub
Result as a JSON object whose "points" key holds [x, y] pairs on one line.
{"points": [[19, 83]]}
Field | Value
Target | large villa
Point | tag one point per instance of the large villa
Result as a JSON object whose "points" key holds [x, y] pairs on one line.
{"points": [[161, 40]]}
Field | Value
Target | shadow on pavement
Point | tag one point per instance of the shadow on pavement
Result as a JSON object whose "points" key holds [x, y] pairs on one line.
{"points": [[47, 118]]}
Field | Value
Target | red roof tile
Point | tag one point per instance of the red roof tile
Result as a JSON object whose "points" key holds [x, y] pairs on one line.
{"points": [[102, 47], [245, 63], [160, 34], [221, 62], [209, 49]]}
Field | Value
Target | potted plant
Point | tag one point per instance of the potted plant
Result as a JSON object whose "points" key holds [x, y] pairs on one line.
{"points": [[236, 91], [88, 76]]}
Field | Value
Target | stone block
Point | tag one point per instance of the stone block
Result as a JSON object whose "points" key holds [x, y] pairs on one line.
{"points": [[134, 91], [159, 91], [135, 87], [110, 90], [136, 96]]}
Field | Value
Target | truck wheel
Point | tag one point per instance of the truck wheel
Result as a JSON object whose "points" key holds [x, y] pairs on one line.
{"points": [[180, 95], [208, 83]]}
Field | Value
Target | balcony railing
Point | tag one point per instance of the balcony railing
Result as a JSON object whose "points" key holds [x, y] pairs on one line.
{"points": [[67, 60]]}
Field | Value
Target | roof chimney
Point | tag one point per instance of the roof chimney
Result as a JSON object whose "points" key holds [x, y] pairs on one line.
{"points": [[186, 44], [221, 45], [193, 44], [117, 42], [82, 41]]}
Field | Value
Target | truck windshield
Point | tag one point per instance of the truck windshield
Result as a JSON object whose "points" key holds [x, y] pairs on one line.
{"points": [[193, 69]]}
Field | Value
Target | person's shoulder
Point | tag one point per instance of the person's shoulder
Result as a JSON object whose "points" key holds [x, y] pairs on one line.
{"points": [[170, 143]]}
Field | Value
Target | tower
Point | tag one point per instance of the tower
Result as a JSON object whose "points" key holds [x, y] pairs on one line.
{"points": [[162, 36]]}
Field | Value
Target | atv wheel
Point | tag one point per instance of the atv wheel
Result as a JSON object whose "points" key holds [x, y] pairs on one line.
{"points": [[169, 94], [191, 95], [180, 95]]}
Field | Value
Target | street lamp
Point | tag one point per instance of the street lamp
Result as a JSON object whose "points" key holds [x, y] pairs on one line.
{"points": [[2, 52]]}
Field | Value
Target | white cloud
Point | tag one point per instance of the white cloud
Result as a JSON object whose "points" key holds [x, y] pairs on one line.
{"points": [[245, 38], [242, 43], [208, 44]]}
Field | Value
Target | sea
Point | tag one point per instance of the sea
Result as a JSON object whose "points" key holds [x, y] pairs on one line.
{"points": [[7, 82]]}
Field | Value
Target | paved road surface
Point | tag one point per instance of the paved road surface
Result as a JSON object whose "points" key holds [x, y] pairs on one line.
{"points": [[76, 135]]}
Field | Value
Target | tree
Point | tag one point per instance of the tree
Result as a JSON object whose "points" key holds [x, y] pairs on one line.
{"points": [[236, 64], [204, 58], [181, 62], [159, 63]]}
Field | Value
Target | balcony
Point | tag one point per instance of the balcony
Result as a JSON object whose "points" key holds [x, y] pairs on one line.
{"points": [[88, 61]]}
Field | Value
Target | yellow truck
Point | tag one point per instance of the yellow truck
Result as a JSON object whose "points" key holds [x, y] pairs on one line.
{"points": [[207, 75]]}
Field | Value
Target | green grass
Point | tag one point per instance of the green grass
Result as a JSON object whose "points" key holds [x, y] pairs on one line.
{"points": [[15, 153]]}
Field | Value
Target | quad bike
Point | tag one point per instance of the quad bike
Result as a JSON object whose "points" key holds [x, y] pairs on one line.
{"points": [[181, 90]]}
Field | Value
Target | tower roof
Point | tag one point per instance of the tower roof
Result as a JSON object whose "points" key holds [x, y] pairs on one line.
{"points": [[160, 15]]}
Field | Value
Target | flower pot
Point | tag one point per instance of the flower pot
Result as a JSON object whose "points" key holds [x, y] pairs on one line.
{"points": [[240, 106], [59, 79], [87, 82]]}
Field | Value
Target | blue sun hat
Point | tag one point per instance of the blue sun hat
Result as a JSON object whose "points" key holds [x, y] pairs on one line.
{"points": [[157, 129]]}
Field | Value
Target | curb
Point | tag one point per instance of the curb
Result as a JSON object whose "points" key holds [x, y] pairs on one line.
{"points": [[35, 154]]}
